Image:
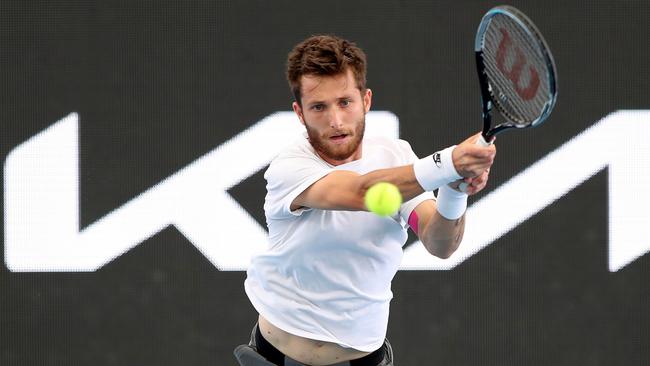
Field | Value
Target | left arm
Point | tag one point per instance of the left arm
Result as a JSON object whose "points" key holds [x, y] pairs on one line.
{"points": [[441, 236]]}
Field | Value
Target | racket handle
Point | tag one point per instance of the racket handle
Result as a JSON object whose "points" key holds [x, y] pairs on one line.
{"points": [[481, 142]]}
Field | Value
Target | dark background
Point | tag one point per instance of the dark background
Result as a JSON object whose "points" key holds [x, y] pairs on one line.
{"points": [[158, 84]]}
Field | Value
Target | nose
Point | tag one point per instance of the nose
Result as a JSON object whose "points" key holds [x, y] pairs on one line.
{"points": [[336, 119]]}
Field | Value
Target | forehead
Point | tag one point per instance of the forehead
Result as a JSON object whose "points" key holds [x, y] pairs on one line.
{"points": [[321, 88]]}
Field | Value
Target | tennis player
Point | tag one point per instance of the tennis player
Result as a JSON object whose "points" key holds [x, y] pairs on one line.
{"points": [[323, 287]]}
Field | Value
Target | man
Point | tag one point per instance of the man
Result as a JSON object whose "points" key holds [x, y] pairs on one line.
{"points": [[322, 289]]}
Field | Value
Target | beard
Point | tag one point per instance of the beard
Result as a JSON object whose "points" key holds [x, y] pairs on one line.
{"points": [[323, 145]]}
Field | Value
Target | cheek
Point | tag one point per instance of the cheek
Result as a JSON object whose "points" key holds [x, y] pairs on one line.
{"points": [[352, 113], [362, 108], [315, 121], [314, 124]]}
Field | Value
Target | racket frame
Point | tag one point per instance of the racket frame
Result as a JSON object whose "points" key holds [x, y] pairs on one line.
{"points": [[486, 95]]}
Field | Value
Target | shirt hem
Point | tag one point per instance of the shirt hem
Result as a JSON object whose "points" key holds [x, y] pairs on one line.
{"points": [[261, 309]]}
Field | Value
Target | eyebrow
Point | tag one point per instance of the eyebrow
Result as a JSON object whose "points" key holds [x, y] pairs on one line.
{"points": [[316, 102]]}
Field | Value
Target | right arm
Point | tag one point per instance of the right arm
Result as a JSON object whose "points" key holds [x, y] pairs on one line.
{"points": [[345, 190]]}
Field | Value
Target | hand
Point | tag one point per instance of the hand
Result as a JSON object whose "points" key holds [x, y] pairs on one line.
{"points": [[474, 185], [471, 160]]}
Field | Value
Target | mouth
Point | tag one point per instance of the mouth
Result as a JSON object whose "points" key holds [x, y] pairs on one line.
{"points": [[340, 138]]}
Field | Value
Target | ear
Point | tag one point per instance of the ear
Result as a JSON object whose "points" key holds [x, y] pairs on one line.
{"points": [[298, 110], [367, 100]]}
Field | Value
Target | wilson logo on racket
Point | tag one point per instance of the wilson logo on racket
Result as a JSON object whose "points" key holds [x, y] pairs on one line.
{"points": [[514, 74]]}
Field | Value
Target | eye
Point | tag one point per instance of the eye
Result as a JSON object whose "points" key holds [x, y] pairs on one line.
{"points": [[345, 102], [318, 107]]}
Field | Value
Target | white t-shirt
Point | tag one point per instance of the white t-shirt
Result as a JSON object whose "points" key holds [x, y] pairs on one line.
{"points": [[327, 274]]}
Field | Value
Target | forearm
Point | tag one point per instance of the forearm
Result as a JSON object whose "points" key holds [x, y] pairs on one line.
{"points": [[345, 190], [427, 173], [441, 236], [444, 231], [403, 177]]}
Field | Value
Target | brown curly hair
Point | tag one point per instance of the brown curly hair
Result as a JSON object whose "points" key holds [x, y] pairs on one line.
{"points": [[325, 55]]}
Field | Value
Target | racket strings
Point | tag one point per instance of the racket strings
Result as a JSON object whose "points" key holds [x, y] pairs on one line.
{"points": [[517, 70]]}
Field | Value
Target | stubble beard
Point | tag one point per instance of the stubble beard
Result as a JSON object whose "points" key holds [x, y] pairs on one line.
{"points": [[337, 152]]}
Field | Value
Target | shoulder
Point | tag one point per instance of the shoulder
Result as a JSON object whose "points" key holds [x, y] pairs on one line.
{"points": [[298, 150], [397, 149], [297, 157], [388, 142]]}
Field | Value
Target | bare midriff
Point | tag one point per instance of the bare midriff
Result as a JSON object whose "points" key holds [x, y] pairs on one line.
{"points": [[305, 350]]}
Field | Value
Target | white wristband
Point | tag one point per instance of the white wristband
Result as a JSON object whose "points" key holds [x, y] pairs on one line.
{"points": [[450, 203], [436, 170]]}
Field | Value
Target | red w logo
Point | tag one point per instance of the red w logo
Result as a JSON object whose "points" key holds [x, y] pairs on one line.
{"points": [[514, 74]]}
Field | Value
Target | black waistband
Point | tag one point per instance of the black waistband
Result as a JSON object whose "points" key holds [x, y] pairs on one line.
{"points": [[272, 354]]}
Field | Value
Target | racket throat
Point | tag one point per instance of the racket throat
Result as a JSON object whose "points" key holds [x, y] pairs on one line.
{"points": [[488, 135], [486, 99]]}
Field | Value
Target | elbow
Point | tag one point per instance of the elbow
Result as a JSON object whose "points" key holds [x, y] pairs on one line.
{"points": [[443, 240], [444, 249], [441, 253], [445, 254]]}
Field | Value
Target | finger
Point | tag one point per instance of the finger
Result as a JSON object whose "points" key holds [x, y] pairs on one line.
{"points": [[475, 189], [472, 139], [481, 153], [484, 177], [479, 170], [479, 181], [478, 189]]}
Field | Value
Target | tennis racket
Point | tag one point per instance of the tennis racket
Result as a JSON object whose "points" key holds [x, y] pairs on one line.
{"points": [[516, 72]]}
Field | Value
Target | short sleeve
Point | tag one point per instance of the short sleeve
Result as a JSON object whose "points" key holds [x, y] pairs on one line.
{"points": [[409, 157], [287, 177]]}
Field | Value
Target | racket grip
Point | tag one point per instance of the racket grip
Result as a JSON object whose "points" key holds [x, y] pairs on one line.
{"points": [[481, 142]]}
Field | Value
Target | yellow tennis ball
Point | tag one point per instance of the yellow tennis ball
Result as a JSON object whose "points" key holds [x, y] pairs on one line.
{"points": [[383, 199]]}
